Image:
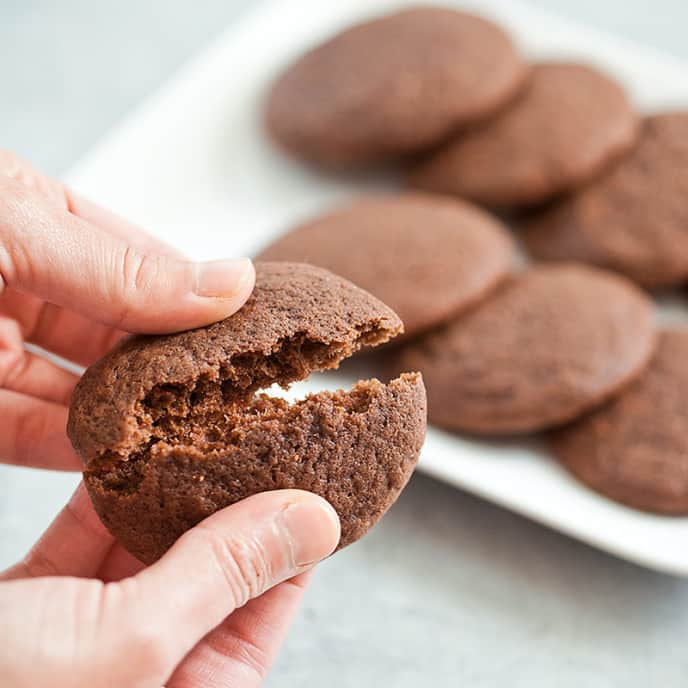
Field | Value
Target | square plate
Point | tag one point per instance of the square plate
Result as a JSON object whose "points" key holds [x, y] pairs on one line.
{"points": [[194, 167]]}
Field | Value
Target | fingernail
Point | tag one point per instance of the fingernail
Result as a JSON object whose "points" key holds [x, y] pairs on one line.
{"points": [[223, 278], [313, 527]]}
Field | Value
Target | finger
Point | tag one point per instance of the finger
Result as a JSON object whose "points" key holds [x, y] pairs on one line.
{"points": [[27, 373], [115, 283], [58, 330], [69, 334], [65, 198], [243, 648], [37, 377], [33, 433], [233, 556], [75, 544], [63, 332], [157, 617]]}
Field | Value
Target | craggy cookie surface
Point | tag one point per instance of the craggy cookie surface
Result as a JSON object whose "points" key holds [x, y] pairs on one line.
{"points": [[633, 219], [425, 256], [567, 124], [170, 427], [392, 85], [545, 347], [634, 449]]}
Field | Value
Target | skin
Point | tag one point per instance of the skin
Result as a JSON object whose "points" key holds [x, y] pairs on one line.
{"points": [[79, 610]]}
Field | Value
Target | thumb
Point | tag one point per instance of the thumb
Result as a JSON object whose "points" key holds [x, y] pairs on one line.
{"points": [[135, 632], [230, 558], [49, 252]]}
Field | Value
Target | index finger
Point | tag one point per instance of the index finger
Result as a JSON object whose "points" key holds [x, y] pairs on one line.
{"points": [[64, 332], [61, 331]]}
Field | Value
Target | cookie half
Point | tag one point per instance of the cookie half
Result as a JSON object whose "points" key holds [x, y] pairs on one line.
{"points": [[568, 124], [545, 347], [171, 428], [633, 219], [392, 86], [634, 449], [427, 257]]}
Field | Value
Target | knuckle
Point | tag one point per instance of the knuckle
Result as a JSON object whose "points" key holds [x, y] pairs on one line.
{"points": [[127, 268], [242, 562], [131, 267], [18, 212], [139, 277], [229, 641]]}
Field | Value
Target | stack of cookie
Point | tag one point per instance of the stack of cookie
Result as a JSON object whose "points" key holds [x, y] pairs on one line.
{"points": [[562, 347]]}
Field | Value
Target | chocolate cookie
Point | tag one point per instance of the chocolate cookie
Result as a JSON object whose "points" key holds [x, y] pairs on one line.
{"points": [[392, 85], [633, 219], [427, 257], [171, 428], [568, 123], [634, 449], [548, 345]]}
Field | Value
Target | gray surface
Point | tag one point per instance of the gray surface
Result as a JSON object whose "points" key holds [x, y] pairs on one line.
{"points": [[448, 590]]}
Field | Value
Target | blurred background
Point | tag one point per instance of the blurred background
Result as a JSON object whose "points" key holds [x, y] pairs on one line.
{"points": [[462, 593]]}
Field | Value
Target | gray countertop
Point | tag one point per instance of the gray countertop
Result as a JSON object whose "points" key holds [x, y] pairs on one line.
{"points": [[448, 590]]}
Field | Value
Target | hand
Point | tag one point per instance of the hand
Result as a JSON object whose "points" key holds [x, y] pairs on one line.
{"points": [[72, 277], [78, 610]]}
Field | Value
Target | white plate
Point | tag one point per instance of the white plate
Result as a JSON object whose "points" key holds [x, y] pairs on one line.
{"points": [[193, 166]]}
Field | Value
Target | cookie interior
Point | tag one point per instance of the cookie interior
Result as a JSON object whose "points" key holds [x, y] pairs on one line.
{"points": [[198, 418], [211, 411]]}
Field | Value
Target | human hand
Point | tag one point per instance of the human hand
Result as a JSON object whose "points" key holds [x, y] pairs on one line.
{"points": [[72, 278], [80, 611]]}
